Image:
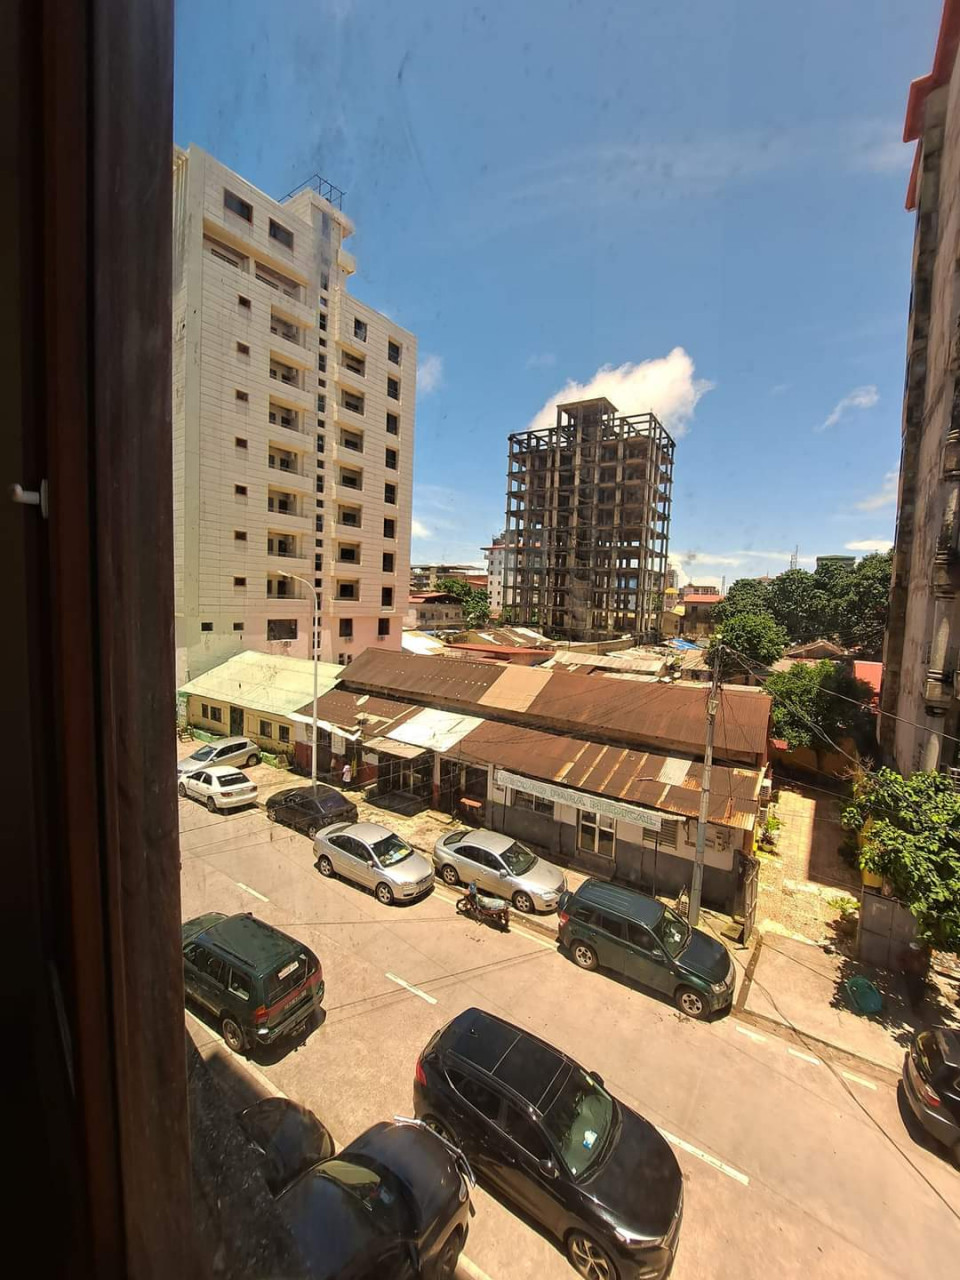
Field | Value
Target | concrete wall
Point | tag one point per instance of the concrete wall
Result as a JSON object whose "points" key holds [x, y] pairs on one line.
{"points": [[253, 722], [885, 928]]}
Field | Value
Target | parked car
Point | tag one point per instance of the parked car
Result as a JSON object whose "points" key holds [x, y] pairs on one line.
{"points": [[236, 751], [500, 865], [931, 1083], [546, 1135], [395, 1203], [260, 984], [300, 808], [609, 926], [288, 1137], [376, 857], [222, 787]]}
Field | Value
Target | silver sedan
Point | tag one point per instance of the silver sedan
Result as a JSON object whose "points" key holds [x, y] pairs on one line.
{"points": [[375, 857], [500, 865]]}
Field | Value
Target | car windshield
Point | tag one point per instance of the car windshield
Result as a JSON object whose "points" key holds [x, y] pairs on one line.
{"points": [[373, 1188], [579, 1120], [391, 850], [203, 754], [518, 859], [672, 932]]}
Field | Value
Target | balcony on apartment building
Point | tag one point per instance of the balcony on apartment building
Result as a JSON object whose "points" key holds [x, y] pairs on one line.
{"points": [[350, 517], [349, 553], [287, 297], [349, 478], [282, 502], [281, 588], [351, 441], [293, 465], [285, 546], [283, 415], [287, 337]]}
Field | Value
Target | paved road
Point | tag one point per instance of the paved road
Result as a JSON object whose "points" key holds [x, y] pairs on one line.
{"points": [[792, 1168]]}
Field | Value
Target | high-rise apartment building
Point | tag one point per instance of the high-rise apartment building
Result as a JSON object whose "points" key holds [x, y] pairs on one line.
{"points": [[588, 522], [496, 558], [293, 421]]}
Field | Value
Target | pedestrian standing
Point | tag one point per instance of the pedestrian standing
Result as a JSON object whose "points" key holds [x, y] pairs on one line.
{"points": [[347, 773]]}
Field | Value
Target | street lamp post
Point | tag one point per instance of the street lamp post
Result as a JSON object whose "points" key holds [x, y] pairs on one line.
{"points": [[316, 668]]}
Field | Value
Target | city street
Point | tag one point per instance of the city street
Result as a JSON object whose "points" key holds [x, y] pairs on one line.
{"points": [[794, 1165]]}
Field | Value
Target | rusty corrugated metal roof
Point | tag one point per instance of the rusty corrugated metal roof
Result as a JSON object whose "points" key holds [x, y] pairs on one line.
{"points": [[655, 714], [341, 708]]}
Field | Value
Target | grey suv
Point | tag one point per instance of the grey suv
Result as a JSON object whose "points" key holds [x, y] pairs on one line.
{"points": [[238, 751]]}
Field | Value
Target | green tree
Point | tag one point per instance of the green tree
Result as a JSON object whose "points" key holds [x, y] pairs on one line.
{"points": [[911, 835], [753, 636], [863, 608], [796, 601], [475, 603], [746, 595], [818, 703]]}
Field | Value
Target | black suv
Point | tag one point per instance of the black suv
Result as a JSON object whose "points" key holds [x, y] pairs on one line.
{"points": [[299, 808], [547, 1136], [606, 925], [260, 984]]}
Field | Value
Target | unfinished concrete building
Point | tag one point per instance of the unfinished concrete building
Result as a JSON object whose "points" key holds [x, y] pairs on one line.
{"points": [[588, 523]]}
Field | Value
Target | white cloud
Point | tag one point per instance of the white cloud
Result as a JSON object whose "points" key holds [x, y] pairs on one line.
{"points": [[869, 544], [429, 373], [666, 385], [858, 398], [885, 496], [543, 360], [419, 530], [780, 388]]}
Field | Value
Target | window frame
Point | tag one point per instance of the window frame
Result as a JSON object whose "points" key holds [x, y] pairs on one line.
{"points": [[245, 209], [285, 237]]}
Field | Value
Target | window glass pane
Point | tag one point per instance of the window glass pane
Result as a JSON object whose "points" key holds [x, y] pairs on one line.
{"points": [[525, 1133], [478, 1095]]}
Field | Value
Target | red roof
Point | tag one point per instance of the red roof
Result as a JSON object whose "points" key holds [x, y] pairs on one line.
{"points": [[702, 598], [870, 673], [948, 39]]}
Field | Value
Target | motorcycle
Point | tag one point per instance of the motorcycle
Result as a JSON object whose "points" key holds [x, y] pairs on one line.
{"points": [[484, 909]]}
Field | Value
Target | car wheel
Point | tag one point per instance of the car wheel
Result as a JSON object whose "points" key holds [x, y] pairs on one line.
{"points": [[523, 902], [588, 1259], [384, 894], [446, 1264], [211, 804], [448, 875], [181, 790], [312, 830], [271, 814], [690, 1002], [584, 956], [233, 1035], [324, 865], [252, 760]]}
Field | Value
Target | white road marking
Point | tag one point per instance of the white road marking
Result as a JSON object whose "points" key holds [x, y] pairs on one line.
{"points": [[867, 1084], [754, 1035], [807, 1057], [707, 1158], [246, 888], [470, 1269], [416, 990]]}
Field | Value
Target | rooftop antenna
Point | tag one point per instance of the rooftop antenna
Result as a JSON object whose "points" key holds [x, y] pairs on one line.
{"points": [[794, 559]]}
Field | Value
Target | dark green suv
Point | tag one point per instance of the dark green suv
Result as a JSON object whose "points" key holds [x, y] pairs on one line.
{"points": [[606, 925], [260, 984]]}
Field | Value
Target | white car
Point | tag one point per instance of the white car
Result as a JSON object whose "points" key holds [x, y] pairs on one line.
{"points": [[221, 787]]}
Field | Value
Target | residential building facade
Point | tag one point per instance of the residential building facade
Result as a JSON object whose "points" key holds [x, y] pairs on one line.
{"points": [[588, 523], [922, 642], [496, 558], [293, 421]]}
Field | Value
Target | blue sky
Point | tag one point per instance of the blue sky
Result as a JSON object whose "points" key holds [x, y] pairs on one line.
{"points": [[713, 192]]}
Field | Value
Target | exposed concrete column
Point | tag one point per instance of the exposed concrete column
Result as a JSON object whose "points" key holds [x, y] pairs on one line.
{"points": [[932, 746]]}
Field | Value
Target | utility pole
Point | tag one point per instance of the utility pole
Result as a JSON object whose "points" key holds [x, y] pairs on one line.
{"points": [[696, 883]]}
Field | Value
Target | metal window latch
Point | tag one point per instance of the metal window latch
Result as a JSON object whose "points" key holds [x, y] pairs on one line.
{"points": [[30, 497]]}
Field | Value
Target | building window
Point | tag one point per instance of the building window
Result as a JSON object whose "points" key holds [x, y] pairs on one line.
{"points": [[383, 626], [346, 628], [393, 352], [350, 400], [216, 715], [390, 494], [351, 479], [393, 388], [242, 396], [243, 302], [238, 626], [206, 626], [594, 834], [389, 528], [243, 348], [393, 424], [281, 628], [390, 458], [355, 364], [319, 524], [320, 441], [388, 562], [360, 329], [321, 363], [533, 804], [386, 597], [240, 490], [239, 582], [204, 711], [239, 535], [322, 321], [347, 591], [240, 207], [281, 234], [321, 404], [240, 442], [283, 732], [352, 440], [350, 516], [266, 729]]}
